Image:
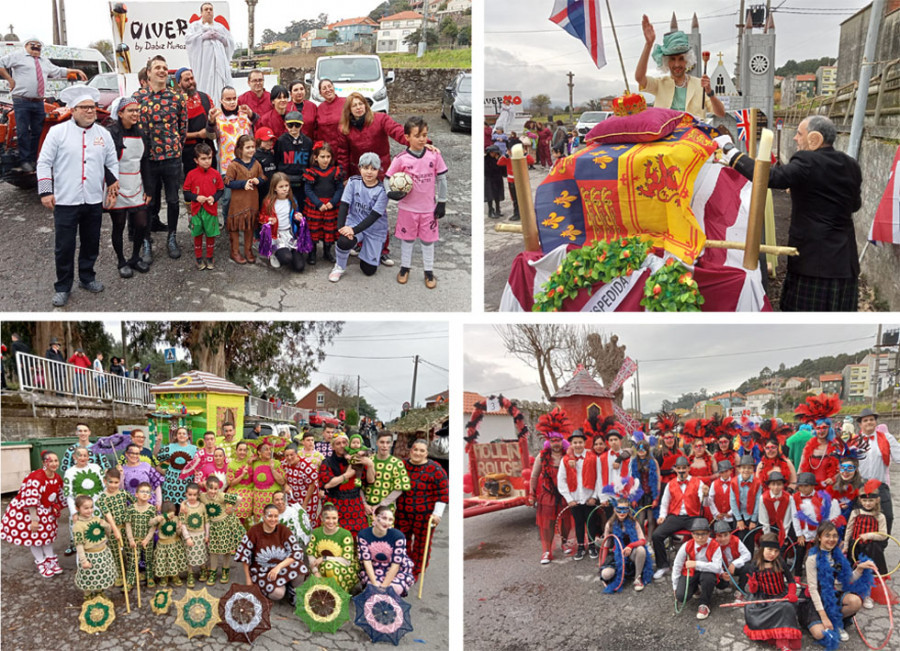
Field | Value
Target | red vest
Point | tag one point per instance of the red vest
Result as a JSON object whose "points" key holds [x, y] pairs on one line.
{"points": [[776, 514], [690, 499], [732, 547], [691, 553], [751, 493], [604, 468], [864, 523], [721, 495]]}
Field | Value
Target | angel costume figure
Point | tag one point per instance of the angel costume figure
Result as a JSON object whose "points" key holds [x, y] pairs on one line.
{"points": [[209, 48]]}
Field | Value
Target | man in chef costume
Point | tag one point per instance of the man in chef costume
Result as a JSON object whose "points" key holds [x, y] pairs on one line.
{"points": [[210, 47]]}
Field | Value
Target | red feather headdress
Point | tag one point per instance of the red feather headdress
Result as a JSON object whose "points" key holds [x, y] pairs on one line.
{"points": [[820, 407], [666, 422], [555, 421]]}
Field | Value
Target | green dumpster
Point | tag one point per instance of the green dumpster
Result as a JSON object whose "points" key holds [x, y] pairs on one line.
{"points": [[57, 444]]}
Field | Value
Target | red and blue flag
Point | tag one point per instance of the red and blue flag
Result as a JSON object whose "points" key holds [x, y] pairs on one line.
{"points": [[581, 19]]}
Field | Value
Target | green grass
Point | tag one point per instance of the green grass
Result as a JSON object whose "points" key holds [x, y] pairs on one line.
{"points": [[461, 58]]}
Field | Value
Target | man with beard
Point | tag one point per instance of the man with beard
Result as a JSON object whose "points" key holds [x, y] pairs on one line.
{"points": [[210, 47], [77, 170], [338, 478], [543, 491], [198, 105]]}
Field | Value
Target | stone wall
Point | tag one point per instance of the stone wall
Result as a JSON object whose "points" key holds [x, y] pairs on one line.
{"points": [[413, 88], [881, 264], [34, 415]]}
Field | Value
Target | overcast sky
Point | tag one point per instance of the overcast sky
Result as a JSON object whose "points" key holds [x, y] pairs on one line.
{"points": [[88, 20], [363, 348], [673, 359], [528, 53]]}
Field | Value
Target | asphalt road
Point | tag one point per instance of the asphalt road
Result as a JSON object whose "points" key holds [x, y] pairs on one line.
{"points": [[512, 602], [500, 249], [41, 614], [27, 271]]}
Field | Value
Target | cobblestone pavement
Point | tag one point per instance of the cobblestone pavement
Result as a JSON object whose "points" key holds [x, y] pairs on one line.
{"points": [[512, 602], [27, 276], [38, 614]]}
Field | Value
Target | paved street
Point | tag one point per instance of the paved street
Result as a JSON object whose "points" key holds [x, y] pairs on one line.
{"points": [[40, 614], [512, 602], [27, 271]]}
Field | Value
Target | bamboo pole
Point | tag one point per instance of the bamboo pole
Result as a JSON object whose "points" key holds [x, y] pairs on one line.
{"points": [[618, 49], [121, 546], [427, 549], [751, 135], [758, 200], [526, 201], [137, 575]]}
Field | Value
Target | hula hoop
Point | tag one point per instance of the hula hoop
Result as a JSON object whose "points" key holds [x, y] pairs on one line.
{"points": [[853, 549], [687, 584], [733, 582], [890, 617], [587, 522], [796, 543], [646, 506], [557, 531], [622, 547]]}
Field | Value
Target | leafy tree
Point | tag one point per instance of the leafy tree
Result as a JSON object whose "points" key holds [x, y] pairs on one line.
{"points": [[540, 104], [252, 352], [294, 30], [413, 38], [388, 8], [807, 66], [465, 36], [333, 37], [449, 29]]}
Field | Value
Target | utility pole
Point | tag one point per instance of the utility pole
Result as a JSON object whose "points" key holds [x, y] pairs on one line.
{"points": [[54, 16], [877, 368], [423, 34], [357, 396], [63, 37], [124, 345], [251, 8], [412, 400], [637, 382], [865, 76], [570, 75]]}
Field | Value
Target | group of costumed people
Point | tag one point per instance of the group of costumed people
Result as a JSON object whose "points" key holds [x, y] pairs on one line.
{"points": [[282, 511], [802, 541]]}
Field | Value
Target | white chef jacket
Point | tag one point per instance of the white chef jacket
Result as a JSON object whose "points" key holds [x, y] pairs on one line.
{"points": [[72, 161]]}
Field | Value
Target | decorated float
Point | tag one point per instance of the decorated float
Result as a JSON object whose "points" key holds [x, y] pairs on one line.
{"points": [[642, 219], [199, 401]]}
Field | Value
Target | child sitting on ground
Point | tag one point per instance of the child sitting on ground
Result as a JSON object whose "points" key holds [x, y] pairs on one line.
{"points": [[284, 236]]}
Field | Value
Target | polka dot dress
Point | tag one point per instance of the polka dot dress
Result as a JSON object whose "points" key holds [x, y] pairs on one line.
{"points": [[262, 551], [102, 573], [37, 492], [225, 530], [390, 476], [338, 545], [299, 478]]}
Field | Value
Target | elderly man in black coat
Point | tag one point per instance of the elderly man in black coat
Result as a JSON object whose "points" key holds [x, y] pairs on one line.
{"points": [[825, 189]]}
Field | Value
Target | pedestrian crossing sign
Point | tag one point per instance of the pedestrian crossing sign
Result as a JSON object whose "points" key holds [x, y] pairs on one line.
{"points": [[169, 354]]}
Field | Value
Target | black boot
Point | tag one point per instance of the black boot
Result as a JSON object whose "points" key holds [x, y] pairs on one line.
{"points": [[173, 248], [311, 257], [497, 212], [157, 226], [327, 252]]}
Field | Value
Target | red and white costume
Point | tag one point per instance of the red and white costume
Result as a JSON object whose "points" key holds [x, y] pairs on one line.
{"points": [[37, 492], [778, 512]]}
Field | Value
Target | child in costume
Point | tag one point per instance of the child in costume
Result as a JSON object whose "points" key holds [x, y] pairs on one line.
{"points": [[362, 217], [836, 592], [848, 481], [418, 211], [681, 504], [265, 155], [83, 478], [96, 567], [811, 508], [331, 551], [139, 527], [745, 498], [267, 478], [169, 558], [323, 184], [866, 528], [632, 557], [225, 530], [543, 493], [776, 508], [719, 500], [203, 187], [196, 526], [284, 236], [735, 556], [643, 467], [243, 176], [577, 479], [113, 505], [724, 439], [696, 565], [768, 578]]}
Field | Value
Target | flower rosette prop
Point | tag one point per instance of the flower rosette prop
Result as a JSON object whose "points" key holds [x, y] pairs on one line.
{"points": [[168, 528], [179, 460], [94, 532], [194, 521], [213, 510], [263, 477], [97, 614], [322, 605], [87, 482], [672, 288], [161, 602], [382, 614], [197, 612]]}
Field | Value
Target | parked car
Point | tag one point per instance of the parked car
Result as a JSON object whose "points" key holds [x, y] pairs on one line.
{"points": [[590, 119], [361, 73], [320, 418], [284, 430], [456, 105]]}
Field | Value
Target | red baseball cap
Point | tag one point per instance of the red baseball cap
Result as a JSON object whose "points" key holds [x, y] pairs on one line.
{"points": [[264, 133]]}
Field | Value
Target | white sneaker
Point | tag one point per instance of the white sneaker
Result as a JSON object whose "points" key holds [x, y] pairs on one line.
{"points": [[274, 261], [545, 559], [336, 274], [638, 585], [703, 613], [354, 252], [868, 604], [844, 635], [660, 573]]}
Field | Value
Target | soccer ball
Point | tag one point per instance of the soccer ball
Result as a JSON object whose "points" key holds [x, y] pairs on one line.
{"points": [[401, 182]]}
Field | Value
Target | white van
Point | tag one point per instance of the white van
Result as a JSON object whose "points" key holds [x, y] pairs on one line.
{"points": [[351, 73], [88, 60]]}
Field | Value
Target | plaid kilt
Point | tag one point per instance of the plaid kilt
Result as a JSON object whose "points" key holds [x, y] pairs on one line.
{"points": [[322, 223], [810, 294]]}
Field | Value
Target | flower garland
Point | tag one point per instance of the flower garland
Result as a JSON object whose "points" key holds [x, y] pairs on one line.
{"points": [[631, 532], [669, 289], [478, 415]]}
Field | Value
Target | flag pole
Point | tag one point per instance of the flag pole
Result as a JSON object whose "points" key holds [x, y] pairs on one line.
{"points": [[618, 49]]}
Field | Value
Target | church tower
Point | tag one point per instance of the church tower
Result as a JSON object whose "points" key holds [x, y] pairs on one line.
{"points": [[758, 65]]}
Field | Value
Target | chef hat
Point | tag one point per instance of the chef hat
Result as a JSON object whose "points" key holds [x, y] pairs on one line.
{"points": [[33, 39], [74, 95]]}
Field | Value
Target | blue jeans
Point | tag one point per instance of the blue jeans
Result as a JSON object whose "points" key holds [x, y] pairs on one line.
{"points": [[84, 221], [29, 123]]}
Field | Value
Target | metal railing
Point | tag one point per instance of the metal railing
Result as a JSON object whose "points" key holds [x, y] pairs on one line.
{"points": [[49, 376], [259, 408]]}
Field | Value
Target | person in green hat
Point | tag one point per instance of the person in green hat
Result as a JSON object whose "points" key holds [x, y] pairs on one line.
{"points": [[679, 90]]}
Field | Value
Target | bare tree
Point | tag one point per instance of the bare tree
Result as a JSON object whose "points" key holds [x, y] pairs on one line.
{"points": [[607, 357], [541, 345]]}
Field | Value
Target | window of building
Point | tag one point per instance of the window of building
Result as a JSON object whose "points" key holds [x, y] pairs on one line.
{"points": [[720, 85], [320, 398]]}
